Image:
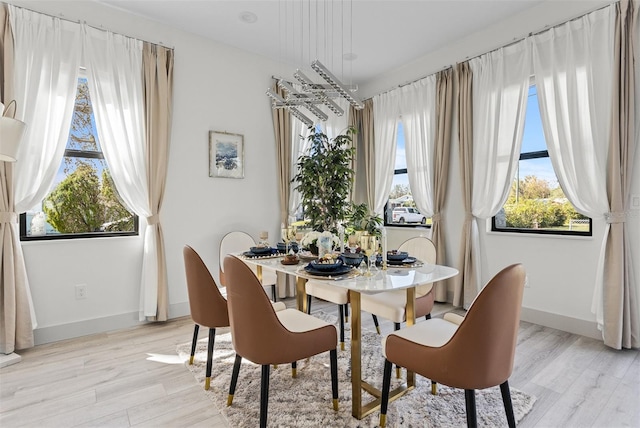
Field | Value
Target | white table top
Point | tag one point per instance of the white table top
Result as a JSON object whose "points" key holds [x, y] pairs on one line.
{"points": [[394, 278]]}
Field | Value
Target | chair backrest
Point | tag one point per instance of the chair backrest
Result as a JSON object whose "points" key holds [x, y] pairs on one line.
{"points": [[482, 349], [256, 331], [423, 249], [233, 242], [208, 307]]}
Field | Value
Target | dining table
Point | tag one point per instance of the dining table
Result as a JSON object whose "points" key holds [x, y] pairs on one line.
{"points": [[381, 280]]}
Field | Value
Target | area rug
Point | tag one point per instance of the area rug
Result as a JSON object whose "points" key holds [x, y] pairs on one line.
{"points": [[306, 400]]}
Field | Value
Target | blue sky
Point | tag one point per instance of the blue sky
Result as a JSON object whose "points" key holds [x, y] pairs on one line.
{"points": [[532, 140]]}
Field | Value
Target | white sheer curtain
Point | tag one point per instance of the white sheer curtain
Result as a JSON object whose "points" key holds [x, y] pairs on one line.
{"points": [[337, 125], [114, 68], [300, 143], [573, 66], [500, 88], [386, 113], [418, 108], [47, 62]]}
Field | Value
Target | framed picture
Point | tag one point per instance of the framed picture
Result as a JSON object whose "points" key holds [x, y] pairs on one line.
{"points": [[226, 155]]}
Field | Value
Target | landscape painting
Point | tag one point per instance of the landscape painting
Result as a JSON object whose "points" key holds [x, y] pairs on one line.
{"points": [[226, 155]]}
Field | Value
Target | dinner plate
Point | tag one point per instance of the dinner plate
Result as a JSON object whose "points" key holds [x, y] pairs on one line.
{"points": [[259, 254], [407, 261], [340, 271]]}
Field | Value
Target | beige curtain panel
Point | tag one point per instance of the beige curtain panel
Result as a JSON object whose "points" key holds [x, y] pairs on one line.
{"points": [[157, 65], [282, 130]]}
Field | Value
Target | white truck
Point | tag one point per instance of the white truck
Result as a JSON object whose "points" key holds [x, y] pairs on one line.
{"points": [[404, 215]]}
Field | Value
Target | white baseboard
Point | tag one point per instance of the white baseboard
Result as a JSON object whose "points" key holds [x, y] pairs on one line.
{"points": [[99, 325], [8, 359], [561, 322]]}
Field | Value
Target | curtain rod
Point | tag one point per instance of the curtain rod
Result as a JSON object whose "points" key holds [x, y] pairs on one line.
{"points": [[101, 28], [515, 40]]}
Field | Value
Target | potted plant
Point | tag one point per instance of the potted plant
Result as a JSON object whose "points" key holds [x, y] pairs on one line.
{"points": [[324, 180], [361, 219]]}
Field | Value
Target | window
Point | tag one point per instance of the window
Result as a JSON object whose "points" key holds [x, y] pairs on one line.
{"points": [[536, 203], [400, 209], [82, 201]]}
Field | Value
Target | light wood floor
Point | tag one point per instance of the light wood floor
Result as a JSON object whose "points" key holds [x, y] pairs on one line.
{"points": [[133, 378]]}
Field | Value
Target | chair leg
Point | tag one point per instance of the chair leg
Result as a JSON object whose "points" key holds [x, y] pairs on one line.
{"points": [[396, 327], [341, 312], [234, 379], [434, 387], [194, 342], [274, 293], [333, 360], [375, 322], [384, 399], [294, 369], [470, 404], [508, 406], [428, 316], [346, 312], [212, 340], [264, 395], [309, 304]]}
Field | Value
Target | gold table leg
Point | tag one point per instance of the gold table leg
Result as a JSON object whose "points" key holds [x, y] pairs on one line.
{"points": [[359, 410], [301, 294]]}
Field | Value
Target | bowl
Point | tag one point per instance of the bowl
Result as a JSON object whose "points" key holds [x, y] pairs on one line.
{"points": [[397, 256], [326, 266], [352, 259], [261, 250], [282, 247]]}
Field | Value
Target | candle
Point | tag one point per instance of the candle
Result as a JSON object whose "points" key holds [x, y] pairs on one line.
{"points": [[341, 235], [383, 232]]}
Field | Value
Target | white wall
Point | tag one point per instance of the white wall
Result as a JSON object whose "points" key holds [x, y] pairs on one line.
{"points": [[221, 88], [216, 88]]}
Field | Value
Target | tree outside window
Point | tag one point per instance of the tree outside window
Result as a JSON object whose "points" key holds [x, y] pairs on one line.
{"points": [[83, 201]]}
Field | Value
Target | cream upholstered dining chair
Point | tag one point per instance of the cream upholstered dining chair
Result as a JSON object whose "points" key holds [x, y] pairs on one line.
{"points": [[264, 336], [392, 305], [333, 294], [208, 306], [238, 242], [474, 352]]}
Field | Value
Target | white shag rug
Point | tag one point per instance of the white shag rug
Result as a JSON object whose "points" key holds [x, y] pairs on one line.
{"points": [[306, 400]]}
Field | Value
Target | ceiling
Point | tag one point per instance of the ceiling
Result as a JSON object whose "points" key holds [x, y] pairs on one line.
{"points": [[381, 34]]}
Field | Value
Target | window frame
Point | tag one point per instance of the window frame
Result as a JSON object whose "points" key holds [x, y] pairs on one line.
{"points": [[85, 154], [538, 154]]}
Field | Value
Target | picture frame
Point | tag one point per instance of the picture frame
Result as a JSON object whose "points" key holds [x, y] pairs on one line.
{"points": [[226, 155]]}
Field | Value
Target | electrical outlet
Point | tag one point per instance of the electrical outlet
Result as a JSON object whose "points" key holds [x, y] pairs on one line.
{"points": [[81, 291]]}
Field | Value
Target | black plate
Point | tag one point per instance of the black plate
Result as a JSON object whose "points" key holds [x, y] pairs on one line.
{"points": [[260, 250], [261, 254], [398, 256], [342, 270], [407, 261], [326, 267]]}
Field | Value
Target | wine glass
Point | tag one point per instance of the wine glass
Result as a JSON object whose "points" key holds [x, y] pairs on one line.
{"points": [[284, 231], [368, 245]]}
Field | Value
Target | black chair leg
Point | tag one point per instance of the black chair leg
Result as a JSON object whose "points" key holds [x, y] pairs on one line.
{"points": [[309, 304], [333, 360], [341, 312], [194, 342], [384, 399], [212, 340], [375, 322], [396, 327], [234, 379], [428, 316], [508, 406], [346, 312], [264, 395], [470, 403], [274, 294]]}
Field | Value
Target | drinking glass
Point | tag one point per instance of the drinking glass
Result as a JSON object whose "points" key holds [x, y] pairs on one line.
{"points": [[368, 245], [353, 243], [285, 237]]}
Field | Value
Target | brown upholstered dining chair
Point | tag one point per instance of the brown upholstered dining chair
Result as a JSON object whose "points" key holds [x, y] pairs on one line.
{"points": [[264, 336], [474, 352], [208, 306]]}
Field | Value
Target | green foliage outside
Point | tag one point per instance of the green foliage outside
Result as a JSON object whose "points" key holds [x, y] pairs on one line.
{"points": [[532, 204], [84, 202]]}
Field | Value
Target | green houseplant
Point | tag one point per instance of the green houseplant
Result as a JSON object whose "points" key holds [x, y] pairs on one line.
{"points": [[360, 218], [324, 180]]}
